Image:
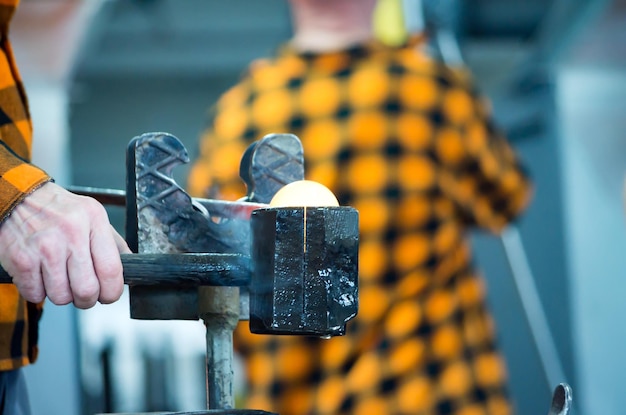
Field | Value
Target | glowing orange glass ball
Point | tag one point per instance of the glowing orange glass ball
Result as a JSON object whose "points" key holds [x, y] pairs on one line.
{"points": [[304, 193]]}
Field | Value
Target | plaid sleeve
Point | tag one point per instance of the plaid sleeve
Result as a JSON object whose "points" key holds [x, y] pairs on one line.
{"points": [[17, 179], [17, 176], [483, 175]]}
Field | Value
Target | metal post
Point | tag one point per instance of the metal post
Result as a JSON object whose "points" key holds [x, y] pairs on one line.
{"points": [[219, 309]]}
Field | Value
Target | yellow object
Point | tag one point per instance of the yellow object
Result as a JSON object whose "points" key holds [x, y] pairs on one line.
{"points": [[304, 193], [388, 22]]}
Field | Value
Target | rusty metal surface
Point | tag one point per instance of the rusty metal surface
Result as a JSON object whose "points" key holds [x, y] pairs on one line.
{"points": [[163, 218], [167, 218]]}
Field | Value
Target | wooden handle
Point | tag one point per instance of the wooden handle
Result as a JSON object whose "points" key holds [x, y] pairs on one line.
{"points": [[180, 269]]}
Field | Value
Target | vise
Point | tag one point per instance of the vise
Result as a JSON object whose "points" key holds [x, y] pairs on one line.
{"points": [[288, 270]]}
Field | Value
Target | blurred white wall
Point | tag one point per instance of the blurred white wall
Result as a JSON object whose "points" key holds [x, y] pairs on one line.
{"points": [[592, 104]]}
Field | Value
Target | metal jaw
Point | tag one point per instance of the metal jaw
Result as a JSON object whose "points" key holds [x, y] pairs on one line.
{"points": [[163, 218]]}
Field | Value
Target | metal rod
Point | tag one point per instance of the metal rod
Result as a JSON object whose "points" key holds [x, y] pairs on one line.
{"points": [[221, 208], [219, 362], [194, 269], [112, 197], [532, 306], [219, 309]]}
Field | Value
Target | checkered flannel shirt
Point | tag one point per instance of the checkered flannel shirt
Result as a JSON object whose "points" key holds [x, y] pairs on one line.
{"points": [[409, 144], [18, 319]]}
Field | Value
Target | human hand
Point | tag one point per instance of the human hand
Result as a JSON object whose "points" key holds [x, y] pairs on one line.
{"points": [[61, 245]]}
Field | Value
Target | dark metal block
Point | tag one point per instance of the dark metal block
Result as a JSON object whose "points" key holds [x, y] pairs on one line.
{"points": [[305, 270]]}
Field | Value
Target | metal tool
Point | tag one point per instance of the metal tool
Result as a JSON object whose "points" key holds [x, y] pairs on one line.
{"points": [[162, 218], [198, 258]]}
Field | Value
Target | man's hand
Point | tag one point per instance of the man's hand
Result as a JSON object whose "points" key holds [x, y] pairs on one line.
{"points": [[61, 245]]}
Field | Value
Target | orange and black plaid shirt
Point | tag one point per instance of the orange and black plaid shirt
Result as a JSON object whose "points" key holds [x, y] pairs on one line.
{"points": [[409, 143], [18, 319]]}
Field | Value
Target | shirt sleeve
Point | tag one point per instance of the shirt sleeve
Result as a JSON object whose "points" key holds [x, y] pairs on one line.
{"points": [[18, 178], [483, 173]]}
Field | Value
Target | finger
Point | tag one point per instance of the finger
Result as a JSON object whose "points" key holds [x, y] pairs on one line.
{"points": [[54, 277], [53, 268], [122, 246], [30, 285], [105, 252], [25, 271], [82, 278]]}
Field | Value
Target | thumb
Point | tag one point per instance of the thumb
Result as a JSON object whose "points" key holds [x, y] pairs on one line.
{"points": [[122, 246]]}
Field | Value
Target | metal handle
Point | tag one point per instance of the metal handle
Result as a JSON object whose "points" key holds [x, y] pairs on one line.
{"points": [[194, 269]]}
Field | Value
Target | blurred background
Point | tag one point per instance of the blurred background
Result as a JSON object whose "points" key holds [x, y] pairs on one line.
{"points": [[99, 72]]}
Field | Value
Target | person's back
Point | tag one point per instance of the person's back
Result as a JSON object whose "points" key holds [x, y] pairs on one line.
{"points": [[409, 144]]}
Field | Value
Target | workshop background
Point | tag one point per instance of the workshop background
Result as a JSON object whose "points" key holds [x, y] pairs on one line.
{"points": [[99, 72]]}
